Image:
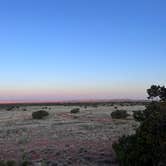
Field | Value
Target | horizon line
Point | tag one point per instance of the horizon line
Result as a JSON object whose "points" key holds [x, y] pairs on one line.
{"points": [[69, 101]]}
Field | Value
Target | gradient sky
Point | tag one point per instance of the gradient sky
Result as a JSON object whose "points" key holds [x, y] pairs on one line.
{"points": [[81, 49]]}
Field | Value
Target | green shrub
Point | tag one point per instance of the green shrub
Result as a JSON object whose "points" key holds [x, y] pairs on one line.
{"points": [[2, 163], [10, 108], [148, 145], [150, 109], [39, 114], [123, 149], [11, 163], [8, 163], [119, 114], [139, 115], [75, 110], [94, 105], [26, 163]]}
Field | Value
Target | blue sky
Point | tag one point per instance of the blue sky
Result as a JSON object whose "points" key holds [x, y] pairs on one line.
{"points": [[81, 49]]}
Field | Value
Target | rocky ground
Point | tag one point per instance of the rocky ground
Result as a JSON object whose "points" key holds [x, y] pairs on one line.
{"points": [[62, 138]]}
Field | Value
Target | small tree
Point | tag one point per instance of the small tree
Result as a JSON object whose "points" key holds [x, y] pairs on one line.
{"points": [[162, 93], [156, 91], [148, 145], [153, 91]]}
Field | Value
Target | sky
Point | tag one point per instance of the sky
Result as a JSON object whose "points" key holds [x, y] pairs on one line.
{"points": [[81, 49]]}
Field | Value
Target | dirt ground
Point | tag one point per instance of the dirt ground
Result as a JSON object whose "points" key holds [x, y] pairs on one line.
{"points": [[62, 138]]}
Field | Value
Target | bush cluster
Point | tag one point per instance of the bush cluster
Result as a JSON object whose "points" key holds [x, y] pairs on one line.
{"points": [[148, 145], [75, 110], [8, 163], [10, 108], [139, 115], [14, 163], [39, 114], [119, 114]]}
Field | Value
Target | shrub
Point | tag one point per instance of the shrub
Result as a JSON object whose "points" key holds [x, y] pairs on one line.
{"points": [[2, 163], [75, 110], [119, 114], [139, 115], [26, 163], [94, 105], [8, 163], [10, 108], [11, 163], [150, 109], [39, 114], [148, 145], [123, 148]]}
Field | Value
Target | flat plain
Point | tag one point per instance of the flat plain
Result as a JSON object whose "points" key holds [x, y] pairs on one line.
{"points": [[62, 138]]}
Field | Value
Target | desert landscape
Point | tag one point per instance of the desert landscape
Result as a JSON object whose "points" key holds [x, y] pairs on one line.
{"points": [[81, 138], [82, 83]]}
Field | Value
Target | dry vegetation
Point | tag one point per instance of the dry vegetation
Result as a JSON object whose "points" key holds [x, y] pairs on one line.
{"points": [[83, 137]]}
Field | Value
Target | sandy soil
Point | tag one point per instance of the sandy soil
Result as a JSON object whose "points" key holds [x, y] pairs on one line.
{"points": [[62, 138]]}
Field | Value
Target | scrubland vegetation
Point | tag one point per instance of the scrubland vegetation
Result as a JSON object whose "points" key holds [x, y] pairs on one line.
{"points": [[39, 114], [75, 110], [148, 145], [85, 133], [119, 114]]}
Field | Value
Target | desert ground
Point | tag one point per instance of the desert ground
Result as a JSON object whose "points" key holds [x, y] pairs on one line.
{"points": [[63, 138]]}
